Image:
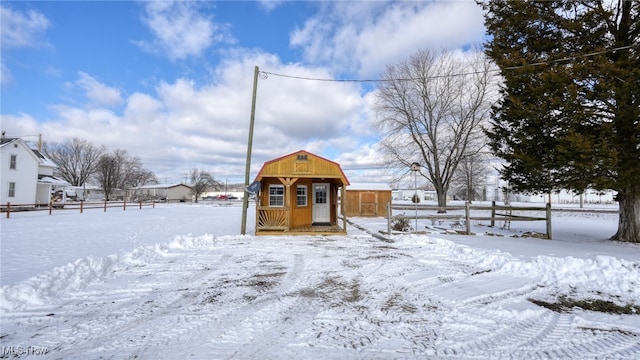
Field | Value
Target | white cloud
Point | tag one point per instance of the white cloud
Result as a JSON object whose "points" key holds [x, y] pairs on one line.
{"points": [[98, 93], [20, 125], [183, 125], [18, 30], [21, 29], [180, 30], [269, 5], [363, 37], [5, 74]]}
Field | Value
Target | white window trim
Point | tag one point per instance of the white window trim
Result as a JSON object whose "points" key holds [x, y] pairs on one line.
{"points": [[11, 191], [272, 196], [299, 196], [13, 162]]}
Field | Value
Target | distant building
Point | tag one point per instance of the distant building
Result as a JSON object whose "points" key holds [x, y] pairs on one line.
{"points": [[407, 194], [163, 192]]}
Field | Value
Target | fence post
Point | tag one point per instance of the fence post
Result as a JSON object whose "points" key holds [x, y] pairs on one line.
{"points": [[105, 204], [153, 204], [8, 209], [140, 204], [467, 215], [81, 206], [389, 217], [493, 213], [50, 206], [124, 204], [549, 221]]}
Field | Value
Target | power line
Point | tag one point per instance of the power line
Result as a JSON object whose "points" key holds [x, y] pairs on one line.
{"points": [[571, 57], [265, 74]]}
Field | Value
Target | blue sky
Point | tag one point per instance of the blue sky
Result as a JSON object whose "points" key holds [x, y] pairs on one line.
{"points": [[171, 82]]}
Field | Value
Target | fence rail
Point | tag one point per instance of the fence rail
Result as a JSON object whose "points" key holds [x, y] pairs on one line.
{"points": [[9, 208], [467, 216]]}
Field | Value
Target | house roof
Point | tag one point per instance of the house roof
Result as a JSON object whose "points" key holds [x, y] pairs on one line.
{"points": [[48, 179], [42, 159], [161, 186], [5, 141], [302, 164]]}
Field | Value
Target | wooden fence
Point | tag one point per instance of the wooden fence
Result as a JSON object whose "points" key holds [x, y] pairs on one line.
{"points": [[498, 213], [77, 206]]}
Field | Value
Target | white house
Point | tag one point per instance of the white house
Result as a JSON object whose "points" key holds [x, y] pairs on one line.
{"points": [[26, 176], [47, 182]]}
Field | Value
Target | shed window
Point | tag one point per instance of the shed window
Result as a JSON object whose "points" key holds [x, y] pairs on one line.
{"points": [[302, 195], [301, 157], [12, 162], [12, 189], [276, 195]]}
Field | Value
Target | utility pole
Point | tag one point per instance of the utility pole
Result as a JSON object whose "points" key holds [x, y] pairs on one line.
{"points": [[415, 167], [247, 170]]}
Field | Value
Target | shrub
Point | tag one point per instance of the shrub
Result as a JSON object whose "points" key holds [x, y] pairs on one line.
{"points": [[401, 224]]}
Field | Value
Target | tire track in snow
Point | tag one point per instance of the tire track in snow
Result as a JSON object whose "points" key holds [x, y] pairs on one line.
{"points": [[523, 338], [320, 297], [198, 321], [122, 314], [249, 321]]}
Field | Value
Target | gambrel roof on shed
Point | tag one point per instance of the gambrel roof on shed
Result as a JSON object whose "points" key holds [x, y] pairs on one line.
{"points": [[303, 164]]}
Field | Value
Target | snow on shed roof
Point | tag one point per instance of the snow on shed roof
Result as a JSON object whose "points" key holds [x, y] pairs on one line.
{"points": [[369, 186], [52, 180]]}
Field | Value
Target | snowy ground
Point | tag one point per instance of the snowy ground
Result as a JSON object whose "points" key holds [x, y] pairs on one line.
{"points": [[178, 281]]}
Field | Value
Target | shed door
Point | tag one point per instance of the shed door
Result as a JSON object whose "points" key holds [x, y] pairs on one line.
{"points": [[369, 203], [321, 206]]}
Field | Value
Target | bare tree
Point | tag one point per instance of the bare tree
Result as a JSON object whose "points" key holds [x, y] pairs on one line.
{"points": [[119, 170], [106, 174], [431, 107], [202, 181], [470, 179], [141, 177], [76, 159]]}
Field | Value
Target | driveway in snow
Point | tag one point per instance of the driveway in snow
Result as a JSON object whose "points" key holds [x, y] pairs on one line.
{"points": [[245, 297]]}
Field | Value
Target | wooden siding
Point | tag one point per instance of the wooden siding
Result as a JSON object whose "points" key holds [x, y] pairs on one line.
{"points": [[301, 215], [367, 202], [313, 167], [300, 168]]}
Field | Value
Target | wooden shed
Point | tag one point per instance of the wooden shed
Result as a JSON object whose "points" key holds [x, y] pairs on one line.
{"points": [[298, 194], [367, 199]]}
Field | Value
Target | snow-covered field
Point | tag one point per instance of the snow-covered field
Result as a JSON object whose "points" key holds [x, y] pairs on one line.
{"points": [[178, 281]]}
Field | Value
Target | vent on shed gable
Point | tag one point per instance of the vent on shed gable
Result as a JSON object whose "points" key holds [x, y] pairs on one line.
{"points": [[302, 164]]}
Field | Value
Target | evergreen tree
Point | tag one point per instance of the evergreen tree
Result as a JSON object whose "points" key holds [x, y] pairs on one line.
{"points": [[569, 115]]}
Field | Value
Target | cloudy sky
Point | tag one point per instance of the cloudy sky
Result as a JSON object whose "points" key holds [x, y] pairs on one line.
{"points": [[171, 82]]}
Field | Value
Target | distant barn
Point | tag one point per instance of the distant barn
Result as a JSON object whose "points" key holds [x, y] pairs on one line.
{"points": [[163, 192], [367, 199]]}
